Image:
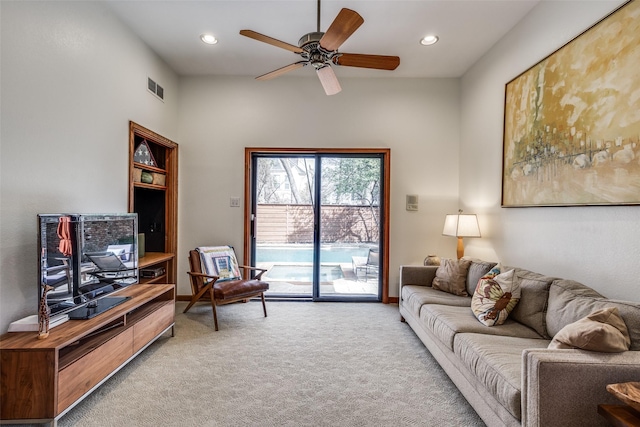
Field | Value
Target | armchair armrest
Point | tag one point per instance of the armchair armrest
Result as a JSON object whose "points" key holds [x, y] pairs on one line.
{"points": [[565, 387], [208, 276], [257, 276]]}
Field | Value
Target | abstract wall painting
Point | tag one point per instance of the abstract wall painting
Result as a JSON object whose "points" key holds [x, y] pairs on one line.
{"points": [[572, 121]]}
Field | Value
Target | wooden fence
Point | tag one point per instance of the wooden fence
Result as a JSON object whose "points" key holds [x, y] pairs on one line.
{"points": [[339, 224]]}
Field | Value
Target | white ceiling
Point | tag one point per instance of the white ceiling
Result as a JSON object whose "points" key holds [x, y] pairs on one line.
{"points": [[467, 29]]}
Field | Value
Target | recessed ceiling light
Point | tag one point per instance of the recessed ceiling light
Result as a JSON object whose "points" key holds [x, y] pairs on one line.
{"points": [[209, 38], [429, 40]]}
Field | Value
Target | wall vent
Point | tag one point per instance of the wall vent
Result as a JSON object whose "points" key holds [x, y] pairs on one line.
{"points": [[155, 88]]}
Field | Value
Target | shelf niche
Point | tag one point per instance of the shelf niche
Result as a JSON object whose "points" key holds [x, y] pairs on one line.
{"points": [[154, 199]]}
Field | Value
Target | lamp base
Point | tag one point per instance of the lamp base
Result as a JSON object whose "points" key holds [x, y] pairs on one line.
{"points": [[460, 249]]}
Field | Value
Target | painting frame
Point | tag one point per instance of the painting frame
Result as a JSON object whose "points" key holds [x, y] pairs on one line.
{"points": [[571, 131]]}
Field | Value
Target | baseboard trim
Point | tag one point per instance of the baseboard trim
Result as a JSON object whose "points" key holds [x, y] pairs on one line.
{"points": [[392, 300]]}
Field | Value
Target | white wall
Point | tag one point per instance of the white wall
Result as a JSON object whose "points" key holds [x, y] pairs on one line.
{"points": [[72, 76], [598, 246], [417, 119]]}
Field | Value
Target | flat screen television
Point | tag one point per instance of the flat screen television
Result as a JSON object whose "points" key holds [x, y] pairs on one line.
{"points": [[84, 259]]}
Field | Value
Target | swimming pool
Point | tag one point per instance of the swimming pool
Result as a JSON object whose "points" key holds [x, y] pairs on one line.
{"points": [[303, 273], [304, 253]]}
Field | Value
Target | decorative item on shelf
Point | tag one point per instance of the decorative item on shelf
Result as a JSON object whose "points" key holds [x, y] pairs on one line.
{"points": [[146, 177], [137, 175], [432, 260], [152, 273], [141, 245], [43, 315], [159, 179], [461, 225], [143, 154]]}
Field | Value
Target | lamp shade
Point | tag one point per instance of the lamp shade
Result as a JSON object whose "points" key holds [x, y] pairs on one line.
{"points": [[461, 225]]}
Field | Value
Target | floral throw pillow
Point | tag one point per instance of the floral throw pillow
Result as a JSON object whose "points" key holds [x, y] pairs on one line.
{"points": [[495, 296]]}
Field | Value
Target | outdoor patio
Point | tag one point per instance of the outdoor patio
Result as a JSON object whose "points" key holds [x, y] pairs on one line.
{"points": [[335, 279]]}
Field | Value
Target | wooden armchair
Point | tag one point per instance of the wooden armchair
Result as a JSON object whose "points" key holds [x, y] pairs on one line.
{"points": [[221, 282]]}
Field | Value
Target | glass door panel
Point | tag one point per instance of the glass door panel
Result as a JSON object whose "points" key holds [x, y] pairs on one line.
{"points": [[283, 233], [349, 227]]}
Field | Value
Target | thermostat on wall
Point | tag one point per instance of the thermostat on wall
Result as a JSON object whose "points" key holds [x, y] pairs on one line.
{"points": [[412, 202]]}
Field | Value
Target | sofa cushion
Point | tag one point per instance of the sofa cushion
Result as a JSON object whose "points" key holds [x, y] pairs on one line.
{"points": [[602, 330], [451, 276], [570, 301], [415, 296], [477, 270], [496, 362], [495, 297], [534, 293], [447, 321]]}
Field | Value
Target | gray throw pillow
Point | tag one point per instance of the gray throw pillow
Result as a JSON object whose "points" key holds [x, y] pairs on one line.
{"points": [[603, 331], [534, 296], [477, 270], [570, 301], [451, 276]]}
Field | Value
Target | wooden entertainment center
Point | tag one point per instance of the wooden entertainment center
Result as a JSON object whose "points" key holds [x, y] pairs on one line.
{"points": [[42, 379]]}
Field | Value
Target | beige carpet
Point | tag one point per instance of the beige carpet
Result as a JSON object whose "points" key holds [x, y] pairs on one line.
{"points": [[307, 364]]}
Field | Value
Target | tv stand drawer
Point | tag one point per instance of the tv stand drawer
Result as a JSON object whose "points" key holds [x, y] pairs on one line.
{"points": [[151, 326], [82, 375]]}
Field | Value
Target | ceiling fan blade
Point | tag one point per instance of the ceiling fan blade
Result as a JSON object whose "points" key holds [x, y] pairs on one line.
{"points": [[275, 73], [270, 40], [345, 24], [379, 62], [329, 80]]}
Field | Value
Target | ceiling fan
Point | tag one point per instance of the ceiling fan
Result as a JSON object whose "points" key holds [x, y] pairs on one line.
{"points": [[320, 50]]}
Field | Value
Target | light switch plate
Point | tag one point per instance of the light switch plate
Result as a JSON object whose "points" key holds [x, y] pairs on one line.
{"points": [[235, 202]]}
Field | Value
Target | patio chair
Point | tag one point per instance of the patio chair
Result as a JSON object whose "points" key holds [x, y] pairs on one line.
{"points": [[370, 263], [215, 277]]}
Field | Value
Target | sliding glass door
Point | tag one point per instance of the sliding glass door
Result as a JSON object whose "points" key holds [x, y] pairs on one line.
{"points": [[316, 222]]}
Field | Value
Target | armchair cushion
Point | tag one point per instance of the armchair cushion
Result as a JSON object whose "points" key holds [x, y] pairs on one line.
{"points": [[234, 289]]}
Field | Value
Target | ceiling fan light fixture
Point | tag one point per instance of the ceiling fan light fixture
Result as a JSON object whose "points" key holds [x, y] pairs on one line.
{"points": [[429, 40], [329, 80], [208, 38]]}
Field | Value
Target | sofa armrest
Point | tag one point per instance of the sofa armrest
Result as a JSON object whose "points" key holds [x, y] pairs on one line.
{"points": [[417, 274], [565, 387]]}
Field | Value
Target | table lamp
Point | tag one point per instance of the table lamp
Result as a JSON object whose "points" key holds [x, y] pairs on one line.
{"points": [[461, 225]]}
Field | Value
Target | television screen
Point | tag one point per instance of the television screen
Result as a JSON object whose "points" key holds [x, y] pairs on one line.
{"points": [[84, 257]]}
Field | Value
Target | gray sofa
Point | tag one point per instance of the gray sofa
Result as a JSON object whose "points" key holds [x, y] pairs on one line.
{"points": [[506, 372]]}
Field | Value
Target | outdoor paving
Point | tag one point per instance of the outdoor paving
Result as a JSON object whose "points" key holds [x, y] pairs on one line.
{"points": [[349, 284]]}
